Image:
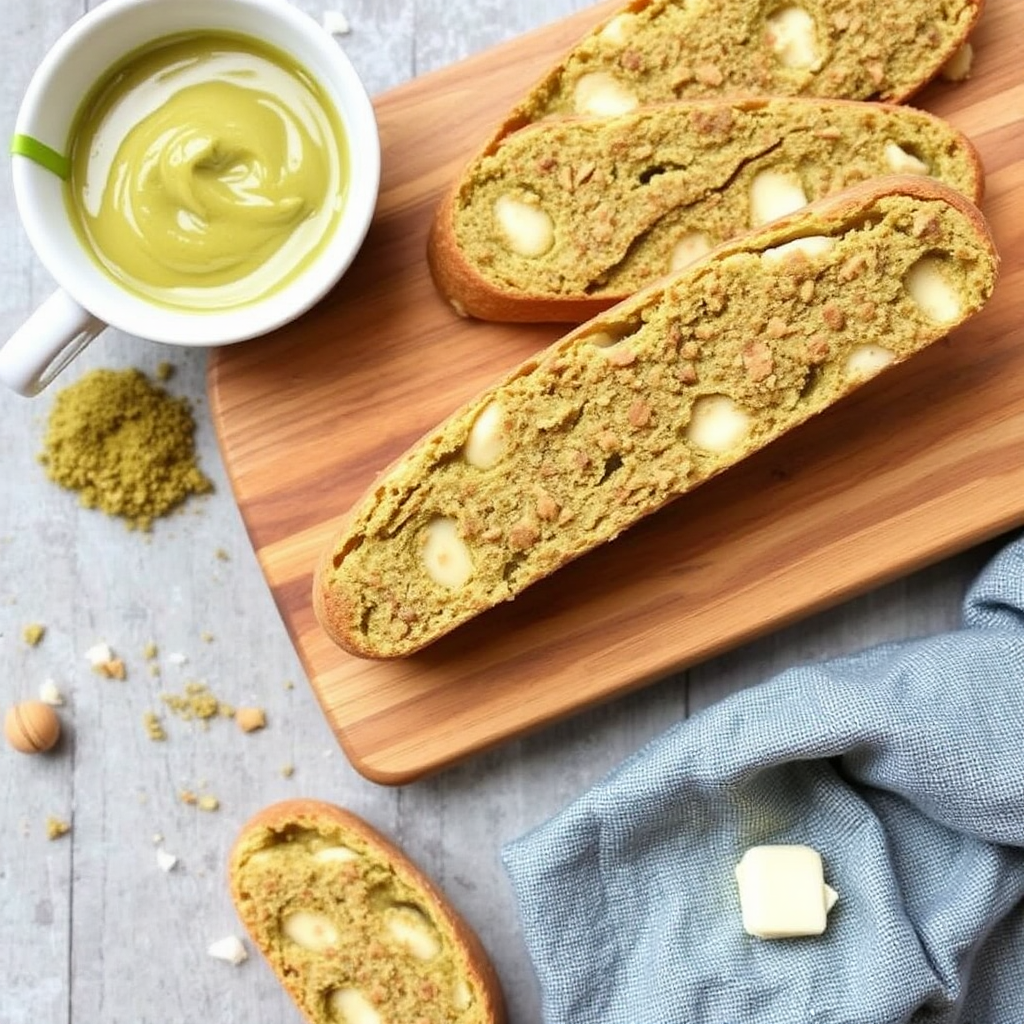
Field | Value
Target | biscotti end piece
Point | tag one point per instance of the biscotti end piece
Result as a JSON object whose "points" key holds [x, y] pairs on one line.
{"points": [[646, 401], [563, 219], [355, 932]]}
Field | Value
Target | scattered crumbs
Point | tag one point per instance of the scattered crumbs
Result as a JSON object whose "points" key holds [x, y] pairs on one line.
{"points": [[335, 23], [250, 719], [222, 555], [56, 827], [176, 658], [165, 861], [287, 771], [230, 949], [150, 651], [164, 371], [206, 637], [157, 838], [196, 703], [289, 685], [154, 727], [33, 633], [208, 803], [105, 663], [154, 670], [50, 694], [186, 796]]}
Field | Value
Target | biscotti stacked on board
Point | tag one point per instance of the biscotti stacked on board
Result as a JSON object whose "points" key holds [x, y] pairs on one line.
{"points": [[646, 401], [353, 930], [525, 233]]}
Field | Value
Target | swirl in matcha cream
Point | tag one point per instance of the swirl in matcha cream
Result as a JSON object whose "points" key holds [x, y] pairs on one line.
{"points": [[207, 171]]}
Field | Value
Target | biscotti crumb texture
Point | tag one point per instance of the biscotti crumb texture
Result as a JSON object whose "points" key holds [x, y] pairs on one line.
{"points": [[646, 401], [564, 218], [654, 51], [353, 930]]}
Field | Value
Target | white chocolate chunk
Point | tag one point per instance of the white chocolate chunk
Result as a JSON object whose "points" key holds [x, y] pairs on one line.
{"points": [[462, 995], [603, 339], [958, 67], [783, 892], [865, 361], [230, 948], [310, 930], [527, 228], [413, 932], [899, 161], [792, 38], [928, 286], [717, 424], [335, 855], [601, 94], [618, 30], [690, 247], [486, 442], [809, 246], [446, 556], [350, 1006], [774, 194]]}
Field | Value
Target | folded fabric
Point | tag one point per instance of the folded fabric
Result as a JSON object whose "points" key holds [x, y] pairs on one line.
{"points": [[903, 766]]}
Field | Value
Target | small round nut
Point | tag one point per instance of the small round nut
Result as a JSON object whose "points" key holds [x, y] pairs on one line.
{"points": [[32, 727]]}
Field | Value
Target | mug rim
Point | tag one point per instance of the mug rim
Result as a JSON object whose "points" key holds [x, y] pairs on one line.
{"points": [[79, 273]]}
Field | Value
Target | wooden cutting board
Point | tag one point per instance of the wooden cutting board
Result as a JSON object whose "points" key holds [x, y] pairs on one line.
{"points": [[921, 463]]}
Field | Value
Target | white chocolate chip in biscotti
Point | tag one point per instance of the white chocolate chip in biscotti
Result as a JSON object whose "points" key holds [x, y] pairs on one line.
{"points": [[717, 424], [773, 194], [350, 1006], [690, 247], [793, 39], [462, 994], [486, 441], [411, 929], [335, 855], [928, 286], [600, 94], [618, 30], [809, 246], [865, 361], [446, 556], [527, 228], [310, 930], [958, 67], [902, 162]]}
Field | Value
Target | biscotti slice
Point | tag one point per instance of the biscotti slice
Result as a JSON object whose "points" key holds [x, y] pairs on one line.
{"points": [[646, 401], [654, 51], [355, 932], [564, 218]]}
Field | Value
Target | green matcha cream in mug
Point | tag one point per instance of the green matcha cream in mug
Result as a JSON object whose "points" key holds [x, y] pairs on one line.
{"points": [[207, 170]]}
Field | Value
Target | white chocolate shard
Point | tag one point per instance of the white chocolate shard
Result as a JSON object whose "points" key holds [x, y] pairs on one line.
{"points": [[690, 247], [528, 229], [229, 948], [486, 442], [783, 892], [773, 194], [793, 39], [864, 361], [810, 246], [446, 555], [600, 94], [413, 932], [958, 67], [335, 855], [350, 1006], [928, 286], [899, 161], [310, 930], [717, 424]]}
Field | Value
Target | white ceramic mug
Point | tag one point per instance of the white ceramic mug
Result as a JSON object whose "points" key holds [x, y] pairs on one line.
{"points": [[88, 299]]}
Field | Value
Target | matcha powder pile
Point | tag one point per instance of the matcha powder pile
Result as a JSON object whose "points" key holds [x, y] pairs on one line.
{"points": [[125, 445]]}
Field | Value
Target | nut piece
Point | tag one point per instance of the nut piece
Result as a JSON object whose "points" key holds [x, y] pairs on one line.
{"points": [[310, 930], [958, 67], [335, 855], [900, 161], [250, 719], [528, 230], [928, 286], [446, 556], [600, 94], [486, 442], [717, 424], [411, 929], [792, 38], [809, 246], [350, 1006], [32, 727], [865, 361], [774, 194], [783, 892], [690, 247]]}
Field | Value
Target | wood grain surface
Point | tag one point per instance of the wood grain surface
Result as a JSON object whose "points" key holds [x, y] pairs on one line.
{"points": [[915, 466]]}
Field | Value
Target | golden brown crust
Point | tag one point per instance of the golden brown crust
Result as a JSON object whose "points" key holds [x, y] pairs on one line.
{"points": [[315, 814]]}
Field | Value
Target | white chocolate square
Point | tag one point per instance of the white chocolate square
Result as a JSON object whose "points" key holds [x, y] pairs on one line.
{"points": [[783, 892]]}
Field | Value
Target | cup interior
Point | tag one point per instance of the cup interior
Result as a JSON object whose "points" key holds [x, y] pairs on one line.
{"points": [[74, 65]]}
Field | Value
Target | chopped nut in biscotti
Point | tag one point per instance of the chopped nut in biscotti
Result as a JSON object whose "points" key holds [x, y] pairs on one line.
{"points": [[758, 360], [853, 267], [639, 414], [523, 535], [833, 316], [547, 507]]}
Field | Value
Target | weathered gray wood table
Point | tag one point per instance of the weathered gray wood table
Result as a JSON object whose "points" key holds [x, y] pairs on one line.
{"points": [[91, 928]]}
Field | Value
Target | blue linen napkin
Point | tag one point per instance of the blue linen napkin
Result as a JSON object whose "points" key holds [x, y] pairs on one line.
{"points": [[903, 766]]}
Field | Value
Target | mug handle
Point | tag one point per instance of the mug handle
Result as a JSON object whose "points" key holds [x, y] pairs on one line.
{"points": [[46, 342]]}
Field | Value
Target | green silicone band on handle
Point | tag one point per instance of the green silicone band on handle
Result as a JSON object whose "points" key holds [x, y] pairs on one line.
{"points": [[40, 153]]}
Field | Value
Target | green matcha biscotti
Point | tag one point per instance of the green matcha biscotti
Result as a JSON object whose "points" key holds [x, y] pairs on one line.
{"points": [[355, 932], [646, 401], [564, 218]]}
